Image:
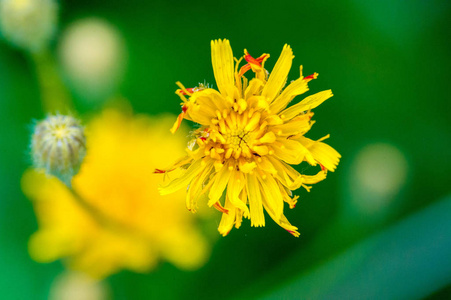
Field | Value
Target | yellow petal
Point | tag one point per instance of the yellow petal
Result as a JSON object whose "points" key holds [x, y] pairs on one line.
{"points": [[298, 125], [184, 180], [238, 218], [246, 167], [290, 151], [257, 102], [220, 182], [222, 60], [206, 105], [265, 165], [195, 188], [254, 88], [279, 74], [286, 174], [287, 196], [307, 104], [177, 123], [260, 150], [274, 120], [228, 219], [295, 88], [254, 122], [255, 201], [201, 114], [278, 217], [322, 153], [271, 194], [234, 188], [312, 179], [268, 138]]}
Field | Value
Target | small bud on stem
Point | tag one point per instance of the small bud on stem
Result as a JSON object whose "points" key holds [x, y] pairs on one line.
{"points": [[58, 146]]}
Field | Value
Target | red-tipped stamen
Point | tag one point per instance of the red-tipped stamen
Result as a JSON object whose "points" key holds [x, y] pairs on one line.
{"points": [[187, 91], [250, 59], [182, 91], [179, 120], [310, 77], [255, 61], [219, 207], [294, 233], [161, 171]]}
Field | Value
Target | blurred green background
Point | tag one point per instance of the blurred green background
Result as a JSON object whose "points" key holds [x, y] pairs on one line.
{"points": [[382, 217]]}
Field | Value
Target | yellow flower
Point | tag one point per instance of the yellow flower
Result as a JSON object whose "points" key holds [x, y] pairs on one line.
{"points": [[114, 218], [248, 138]]}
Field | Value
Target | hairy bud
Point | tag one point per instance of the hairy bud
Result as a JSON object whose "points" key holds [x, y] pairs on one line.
{"points": [[58, 146]]}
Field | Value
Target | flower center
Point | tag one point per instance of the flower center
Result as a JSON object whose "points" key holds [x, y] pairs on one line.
{"points": [[237, 138], [237, 133], [60, 132]]}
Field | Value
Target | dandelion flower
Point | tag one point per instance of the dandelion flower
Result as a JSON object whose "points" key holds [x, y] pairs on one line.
{"points": [[113, 218], [247, 140]]}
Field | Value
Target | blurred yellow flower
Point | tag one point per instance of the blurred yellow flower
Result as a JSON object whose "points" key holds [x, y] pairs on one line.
{"points": [[248, 138], [114, 218]]}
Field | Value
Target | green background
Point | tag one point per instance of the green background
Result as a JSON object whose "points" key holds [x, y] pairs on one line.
{"points": [[387, 63]]}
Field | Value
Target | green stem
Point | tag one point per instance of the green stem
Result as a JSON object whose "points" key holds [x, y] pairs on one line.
{"points": [[54, 96]]}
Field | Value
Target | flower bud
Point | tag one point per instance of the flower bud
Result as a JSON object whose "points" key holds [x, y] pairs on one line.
{"points": [[93, 57], [28, 24], [58, 146]]}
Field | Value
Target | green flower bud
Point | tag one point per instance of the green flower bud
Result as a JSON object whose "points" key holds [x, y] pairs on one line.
{"points": [[58, 146], [28, 24], [93, 57]]}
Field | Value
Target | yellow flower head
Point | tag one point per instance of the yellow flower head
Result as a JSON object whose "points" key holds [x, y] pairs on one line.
{"points": [[113, 218], [248, 138]]}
